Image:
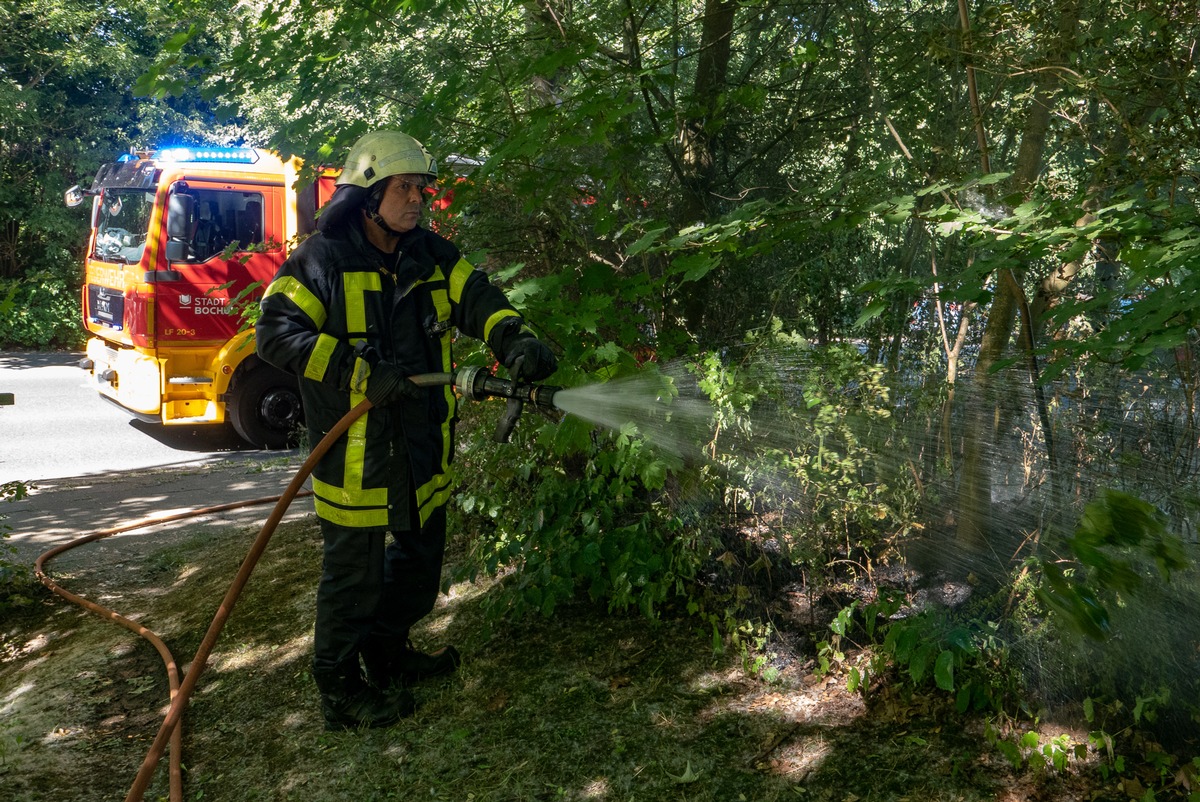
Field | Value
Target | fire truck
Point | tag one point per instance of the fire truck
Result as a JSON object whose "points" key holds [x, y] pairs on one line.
{"points": [[182, 240]]}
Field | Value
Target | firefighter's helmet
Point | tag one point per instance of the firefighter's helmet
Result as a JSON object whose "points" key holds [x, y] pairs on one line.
{"points": [[381, 154]]}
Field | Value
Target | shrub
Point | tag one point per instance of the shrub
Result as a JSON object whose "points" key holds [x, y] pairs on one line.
{"points": [[572, 510], [805, 436], [42, 312], [15, 578]]}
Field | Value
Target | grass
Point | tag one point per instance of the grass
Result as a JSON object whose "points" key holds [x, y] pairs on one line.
{"points": [[584, 706]]}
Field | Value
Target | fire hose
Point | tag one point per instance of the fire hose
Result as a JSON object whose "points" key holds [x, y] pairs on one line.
{"points": [[473, 383]]}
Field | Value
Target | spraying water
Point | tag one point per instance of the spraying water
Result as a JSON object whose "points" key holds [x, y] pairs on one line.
{"points": [[837, 450], [679, 423]]}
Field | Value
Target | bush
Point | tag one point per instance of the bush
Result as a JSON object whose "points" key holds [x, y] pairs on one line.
{"points": [[41, 311], [15, 578], [633, 515], [1121, 591], [805, 437], [570, 510]]}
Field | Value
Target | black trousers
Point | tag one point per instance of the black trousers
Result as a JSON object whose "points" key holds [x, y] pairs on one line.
{"points": [[373, 589]]}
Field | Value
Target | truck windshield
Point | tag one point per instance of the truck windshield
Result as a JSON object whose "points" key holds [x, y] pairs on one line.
{"points": [[122, 224]]}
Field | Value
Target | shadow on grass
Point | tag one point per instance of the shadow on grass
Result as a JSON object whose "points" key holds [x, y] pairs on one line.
{"points": [[584, 706]]}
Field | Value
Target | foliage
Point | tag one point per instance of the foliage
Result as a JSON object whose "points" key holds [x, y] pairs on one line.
{"points": [[804, 218], [15, 577], [583, 704], [933, 649], [599, 519], [971, 659], [1116, 536], [1126, 320], [1016, 660], [1126, 754], [66, 74], [802, 432], [44, 312]]}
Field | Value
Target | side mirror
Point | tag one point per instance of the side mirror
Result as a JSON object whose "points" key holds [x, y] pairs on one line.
{"points": [[177, 251], [73, 197], [181, 211]]}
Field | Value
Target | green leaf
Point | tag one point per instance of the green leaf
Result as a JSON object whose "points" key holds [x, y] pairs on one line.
{"points": [[591, 553], [935, 188], [1010, 752], [179, 40], [609, 352], [694, 265], [805, 52], [645, 241], [906, 641], [990, 178], [688, 775], [654, 474], [920, 662], [943, 670], [6, 303], [1076, 251], [870, 312]]}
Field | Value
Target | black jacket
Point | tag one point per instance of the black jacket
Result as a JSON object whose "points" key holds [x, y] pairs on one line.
{"points": [[337, 295]]}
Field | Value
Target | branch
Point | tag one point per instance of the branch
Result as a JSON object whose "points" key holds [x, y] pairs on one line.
{"points": [[973, 89]]}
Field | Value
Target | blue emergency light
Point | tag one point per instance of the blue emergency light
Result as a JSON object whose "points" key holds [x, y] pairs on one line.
{"points": [[220, 155]]}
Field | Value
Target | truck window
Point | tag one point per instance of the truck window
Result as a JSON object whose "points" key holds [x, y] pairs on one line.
{"points": [[221, 218], [122, 225]]}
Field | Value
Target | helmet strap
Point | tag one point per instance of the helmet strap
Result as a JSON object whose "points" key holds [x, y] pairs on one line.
{"points": [[379, 221], [371, 207]]}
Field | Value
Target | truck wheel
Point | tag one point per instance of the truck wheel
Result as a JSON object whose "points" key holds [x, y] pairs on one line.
{"points": [[265, 408]]}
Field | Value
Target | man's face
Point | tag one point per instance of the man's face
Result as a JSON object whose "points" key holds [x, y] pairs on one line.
{"points": [[403, 201]]}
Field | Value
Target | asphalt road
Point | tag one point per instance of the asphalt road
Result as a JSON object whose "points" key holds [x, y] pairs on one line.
{"points": [[60, 426], [92, 466]]}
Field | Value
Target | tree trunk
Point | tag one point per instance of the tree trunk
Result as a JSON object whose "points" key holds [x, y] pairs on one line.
{"points": [[695, 135], [697, 157], [975, 512]]}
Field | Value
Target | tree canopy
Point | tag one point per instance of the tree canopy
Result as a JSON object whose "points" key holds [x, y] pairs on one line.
{"points": [[949, 250]]}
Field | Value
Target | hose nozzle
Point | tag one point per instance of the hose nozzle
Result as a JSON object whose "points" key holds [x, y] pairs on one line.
{"points": [[477, 384]]}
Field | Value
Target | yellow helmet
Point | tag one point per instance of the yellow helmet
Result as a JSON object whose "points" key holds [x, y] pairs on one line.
{"points": [[381, 154]]}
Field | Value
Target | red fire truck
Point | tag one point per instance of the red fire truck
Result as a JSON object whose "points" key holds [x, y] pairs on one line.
{"points": [[181, 239]]}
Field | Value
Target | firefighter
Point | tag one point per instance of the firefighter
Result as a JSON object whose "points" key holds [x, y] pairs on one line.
{"points": [[368, 300]]}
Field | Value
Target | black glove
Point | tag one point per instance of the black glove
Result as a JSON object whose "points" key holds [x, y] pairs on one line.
{"points": [[536, 359], [386, 385]]}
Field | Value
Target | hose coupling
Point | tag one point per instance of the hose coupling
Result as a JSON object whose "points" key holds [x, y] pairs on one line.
{"points": [[477, 383]]}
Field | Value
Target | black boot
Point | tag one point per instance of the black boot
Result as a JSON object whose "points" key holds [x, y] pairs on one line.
{"points": [[348, 702], [377, 658], [396, 664], [413, 666]]}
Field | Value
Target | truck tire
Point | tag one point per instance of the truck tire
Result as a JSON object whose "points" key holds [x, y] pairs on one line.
{"points": [[264, 407]]}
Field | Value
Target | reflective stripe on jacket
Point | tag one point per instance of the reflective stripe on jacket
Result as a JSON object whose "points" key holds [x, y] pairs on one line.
{"points": [[335, 293]]}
